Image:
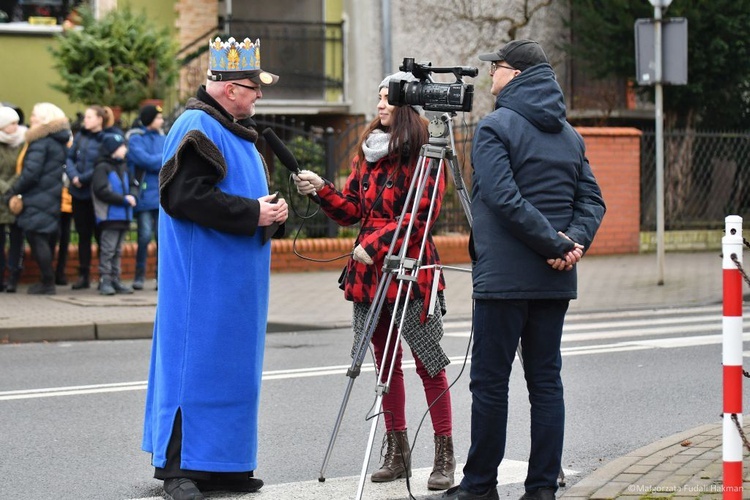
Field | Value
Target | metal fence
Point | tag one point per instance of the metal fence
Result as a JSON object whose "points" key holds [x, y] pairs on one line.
{"points": [[706, 177], [329, 152]]}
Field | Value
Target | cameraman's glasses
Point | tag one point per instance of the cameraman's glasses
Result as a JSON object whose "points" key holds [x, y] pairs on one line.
{"points": [[495, 64]]}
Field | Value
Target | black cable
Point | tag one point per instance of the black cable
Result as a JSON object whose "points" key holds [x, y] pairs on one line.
{"points": [[304, 218]]}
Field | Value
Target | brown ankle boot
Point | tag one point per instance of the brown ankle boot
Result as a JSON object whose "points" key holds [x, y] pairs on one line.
{"points": [[445, 464], [397, 458]]}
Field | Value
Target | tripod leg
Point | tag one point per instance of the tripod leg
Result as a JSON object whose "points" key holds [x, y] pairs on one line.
{"points": [[370, 442], [373, 315], [335, 433]]}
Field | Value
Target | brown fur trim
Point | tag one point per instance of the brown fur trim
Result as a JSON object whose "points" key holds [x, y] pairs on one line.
{"points": [[198, 143], [249, 134], [41, 131]]}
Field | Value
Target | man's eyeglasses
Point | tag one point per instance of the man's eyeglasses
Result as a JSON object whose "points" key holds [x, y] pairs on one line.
{"points": [[247, 86], [494, 65]]}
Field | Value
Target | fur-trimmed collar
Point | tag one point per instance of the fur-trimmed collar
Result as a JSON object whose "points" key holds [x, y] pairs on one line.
{"points": [[41, 131], [204, 102]]}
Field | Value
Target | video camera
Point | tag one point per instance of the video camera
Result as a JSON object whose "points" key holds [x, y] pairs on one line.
{"points": [[432, 96]]}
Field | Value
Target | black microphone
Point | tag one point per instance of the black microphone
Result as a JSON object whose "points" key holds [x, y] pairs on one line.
{"points": [[285, 156]]}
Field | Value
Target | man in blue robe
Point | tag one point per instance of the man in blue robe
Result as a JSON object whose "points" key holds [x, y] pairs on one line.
{"points": [[215, 217]]}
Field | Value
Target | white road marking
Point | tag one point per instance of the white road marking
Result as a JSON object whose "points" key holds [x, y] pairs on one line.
{"points": [[682, 321]]}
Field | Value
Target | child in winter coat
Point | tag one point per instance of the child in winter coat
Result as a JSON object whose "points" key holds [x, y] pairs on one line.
{"points": [[113, 206]]}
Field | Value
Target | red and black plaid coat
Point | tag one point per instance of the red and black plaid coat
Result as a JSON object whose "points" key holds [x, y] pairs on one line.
{"points": [[375, 194]]}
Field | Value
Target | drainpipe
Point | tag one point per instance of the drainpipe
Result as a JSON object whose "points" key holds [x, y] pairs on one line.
{"points": [[228, 19], [387, 59]]}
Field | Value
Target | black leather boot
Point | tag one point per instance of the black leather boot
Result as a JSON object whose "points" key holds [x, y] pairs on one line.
{"points": [[397, 458]]}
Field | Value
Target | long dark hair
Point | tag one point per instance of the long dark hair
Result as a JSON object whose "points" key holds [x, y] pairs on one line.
{"points": [[408, 133]]}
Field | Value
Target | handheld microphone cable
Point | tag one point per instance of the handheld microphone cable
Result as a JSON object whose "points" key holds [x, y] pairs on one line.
{"points": [[290, 162]]}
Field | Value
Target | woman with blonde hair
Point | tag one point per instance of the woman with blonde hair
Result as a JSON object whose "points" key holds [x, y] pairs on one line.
{"points": [[80, 169], [40, 186]]}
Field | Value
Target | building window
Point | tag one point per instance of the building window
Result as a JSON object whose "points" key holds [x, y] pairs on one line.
{"points": [[52, 12]]}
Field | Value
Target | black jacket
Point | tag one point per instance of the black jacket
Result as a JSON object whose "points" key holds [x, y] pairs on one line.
{"points": [[40, 182], [530, 180]]}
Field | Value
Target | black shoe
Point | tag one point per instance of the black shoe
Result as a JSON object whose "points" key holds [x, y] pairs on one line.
{"points": [[181, 488], [540, 494], [81, 283], [456, 493], [13, 281], [61, 280], [41, 289], [249, 485]]}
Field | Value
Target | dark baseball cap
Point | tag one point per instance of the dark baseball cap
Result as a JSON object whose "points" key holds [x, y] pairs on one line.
{"points": [[521, 54]]}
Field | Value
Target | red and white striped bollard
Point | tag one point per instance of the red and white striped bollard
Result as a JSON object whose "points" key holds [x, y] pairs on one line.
{"points": [[732, 357]]}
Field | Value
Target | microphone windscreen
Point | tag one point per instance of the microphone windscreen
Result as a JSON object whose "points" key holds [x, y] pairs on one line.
{"points": [[285, 156]]}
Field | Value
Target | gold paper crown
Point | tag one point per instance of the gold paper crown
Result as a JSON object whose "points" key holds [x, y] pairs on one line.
{"points": [[232, 60]]}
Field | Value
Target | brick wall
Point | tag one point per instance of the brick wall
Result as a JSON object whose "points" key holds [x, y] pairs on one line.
{"points": [[614, 154], [194, 17], [615, 157]]}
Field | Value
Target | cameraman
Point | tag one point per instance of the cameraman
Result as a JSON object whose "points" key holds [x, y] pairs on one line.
{"points": [[536, 208]]}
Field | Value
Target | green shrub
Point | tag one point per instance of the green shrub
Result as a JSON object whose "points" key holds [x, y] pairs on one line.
{"points": [[119, 60]]}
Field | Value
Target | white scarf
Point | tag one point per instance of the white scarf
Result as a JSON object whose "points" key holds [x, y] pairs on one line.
{"points": [[375, 146], [15, 139]]}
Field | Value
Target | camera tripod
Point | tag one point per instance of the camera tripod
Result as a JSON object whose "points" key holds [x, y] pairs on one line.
{"points": [[405, 270]]}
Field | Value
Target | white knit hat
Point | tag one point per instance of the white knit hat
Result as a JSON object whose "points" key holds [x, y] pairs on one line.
{"points": [[401, 75], [8, 115]]}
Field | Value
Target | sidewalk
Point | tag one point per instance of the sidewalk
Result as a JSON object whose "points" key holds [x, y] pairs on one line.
{"points": [[312, 300], [685, 466]]}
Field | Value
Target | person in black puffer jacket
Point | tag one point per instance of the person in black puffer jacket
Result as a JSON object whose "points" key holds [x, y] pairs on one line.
{"points": [[40, 185]]}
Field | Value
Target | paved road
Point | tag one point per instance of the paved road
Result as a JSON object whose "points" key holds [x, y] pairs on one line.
{"points": [[75, 409]]}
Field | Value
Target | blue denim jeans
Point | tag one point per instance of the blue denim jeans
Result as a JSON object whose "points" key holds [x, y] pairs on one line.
{"points": [[148, 224], [498, 327]]}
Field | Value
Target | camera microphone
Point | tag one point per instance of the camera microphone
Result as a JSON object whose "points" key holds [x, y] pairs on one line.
{"points": [[282, 152]]}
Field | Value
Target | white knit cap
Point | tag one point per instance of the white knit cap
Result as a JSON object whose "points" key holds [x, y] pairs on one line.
{"points": [[8, 115], [401, 75]]}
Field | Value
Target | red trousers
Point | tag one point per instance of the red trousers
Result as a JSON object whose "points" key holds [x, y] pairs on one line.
{"points": [[394, 402]]}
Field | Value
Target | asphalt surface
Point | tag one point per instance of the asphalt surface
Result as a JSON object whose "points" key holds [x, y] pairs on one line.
{"points": [[685, 466]]}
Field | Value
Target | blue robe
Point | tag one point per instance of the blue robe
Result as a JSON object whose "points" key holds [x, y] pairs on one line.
{"points": [[209, 332]]}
